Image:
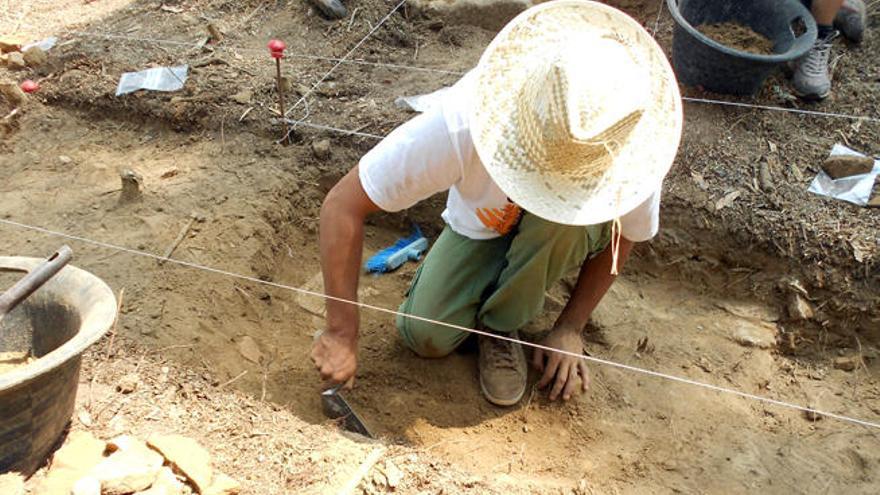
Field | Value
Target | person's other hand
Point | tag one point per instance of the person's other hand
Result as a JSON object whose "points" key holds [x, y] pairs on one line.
{"points": [[335, 358], [563, 371]]}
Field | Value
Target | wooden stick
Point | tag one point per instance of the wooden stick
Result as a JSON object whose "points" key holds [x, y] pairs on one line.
{"points": [[115, 323], [229, 382], [180, 236], [362, 471]]}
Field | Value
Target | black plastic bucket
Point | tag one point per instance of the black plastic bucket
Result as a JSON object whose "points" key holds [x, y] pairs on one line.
{"points": [[56, 324], [701, 61]]}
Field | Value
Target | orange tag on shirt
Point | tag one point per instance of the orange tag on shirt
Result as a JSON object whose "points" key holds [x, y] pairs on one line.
{"points": [[501, 220]]}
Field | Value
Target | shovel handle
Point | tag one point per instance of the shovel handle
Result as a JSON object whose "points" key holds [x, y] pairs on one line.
{"points": [[34, 280]]}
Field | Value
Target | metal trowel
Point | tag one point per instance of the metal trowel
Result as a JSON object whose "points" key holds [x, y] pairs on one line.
{"points": [[337, 408]]}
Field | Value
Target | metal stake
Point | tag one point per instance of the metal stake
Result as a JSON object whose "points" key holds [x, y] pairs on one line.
{"points": [[276, 50]]}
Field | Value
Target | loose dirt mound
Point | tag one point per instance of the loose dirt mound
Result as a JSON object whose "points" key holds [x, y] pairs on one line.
{"points": [[738, 37]]}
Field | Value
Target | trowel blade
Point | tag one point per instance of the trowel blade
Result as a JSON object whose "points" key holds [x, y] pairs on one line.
{"points": [[335, 407]]}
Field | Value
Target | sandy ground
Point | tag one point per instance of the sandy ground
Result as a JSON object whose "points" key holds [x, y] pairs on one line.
{"points": [[680, 307]]}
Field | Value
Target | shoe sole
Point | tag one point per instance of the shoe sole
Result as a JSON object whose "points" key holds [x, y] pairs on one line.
{"points": [[813, 97], [501, 402]]}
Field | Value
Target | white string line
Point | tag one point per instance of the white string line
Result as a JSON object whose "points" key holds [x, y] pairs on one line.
{"points": [[781, 109], [416, 68], [334, 129], [380, 309], [344, 57], [657, 21]]}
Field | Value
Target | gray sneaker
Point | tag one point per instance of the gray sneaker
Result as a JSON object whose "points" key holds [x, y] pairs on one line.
{"points": [[851, 20], [503, 370], [812, 80], [332, 9]]}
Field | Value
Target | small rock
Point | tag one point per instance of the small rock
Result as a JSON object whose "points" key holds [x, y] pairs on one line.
{"points": [[85, 418], [811, 415], [15, 61], [11, 42], [187, 457], [846, 363], [765, 179], [223, 485], [321, 149], [749, 310], [128, 383], [214, 31], [118, 424], [65, 160], [244, 97], [799, 308], [166, 484], [302, 89], [86, 486], [34, 56], [874, 202], [393, 474], [754, 334], [58, 482], [249, 349], [13, 93], [11, 484], [727, 200], [81, 452], [313, 305], [379, 478], [328, 88], [700, 181], [525, 428], [840, 166], [131, 468], [795, 172]]}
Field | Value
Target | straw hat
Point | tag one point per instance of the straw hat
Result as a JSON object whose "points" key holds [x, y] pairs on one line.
{"points": [[577, 115]]}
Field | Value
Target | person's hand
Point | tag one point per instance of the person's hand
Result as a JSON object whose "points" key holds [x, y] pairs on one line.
{"points": [[335, 357], [563, 371]]}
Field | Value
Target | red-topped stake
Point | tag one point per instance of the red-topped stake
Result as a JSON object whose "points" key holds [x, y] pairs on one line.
{"points": [[276, 50], [29, 86]]}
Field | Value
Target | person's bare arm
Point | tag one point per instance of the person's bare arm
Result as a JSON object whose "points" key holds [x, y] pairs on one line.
{"points": [[593, 282], [341, 240]]}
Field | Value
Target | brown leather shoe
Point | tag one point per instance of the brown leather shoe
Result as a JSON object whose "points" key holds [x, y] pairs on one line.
{"points": [[503, 370]]}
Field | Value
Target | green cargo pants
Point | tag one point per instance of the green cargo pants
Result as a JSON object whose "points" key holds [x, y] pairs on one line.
{"points": [[498, 284]]}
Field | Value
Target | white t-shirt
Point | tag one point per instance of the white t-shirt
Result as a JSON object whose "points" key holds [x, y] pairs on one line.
{"points": [[434, 152]]}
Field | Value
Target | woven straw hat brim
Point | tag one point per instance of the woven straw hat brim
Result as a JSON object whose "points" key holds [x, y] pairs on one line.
{"points": [[637, 169]]}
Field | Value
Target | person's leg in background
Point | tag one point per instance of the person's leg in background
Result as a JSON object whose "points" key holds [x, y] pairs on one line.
{"points": [[851, 20], [812, 77]]}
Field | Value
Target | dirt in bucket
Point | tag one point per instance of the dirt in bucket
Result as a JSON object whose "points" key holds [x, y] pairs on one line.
{"points": [[15, 359], [738, 37]]}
